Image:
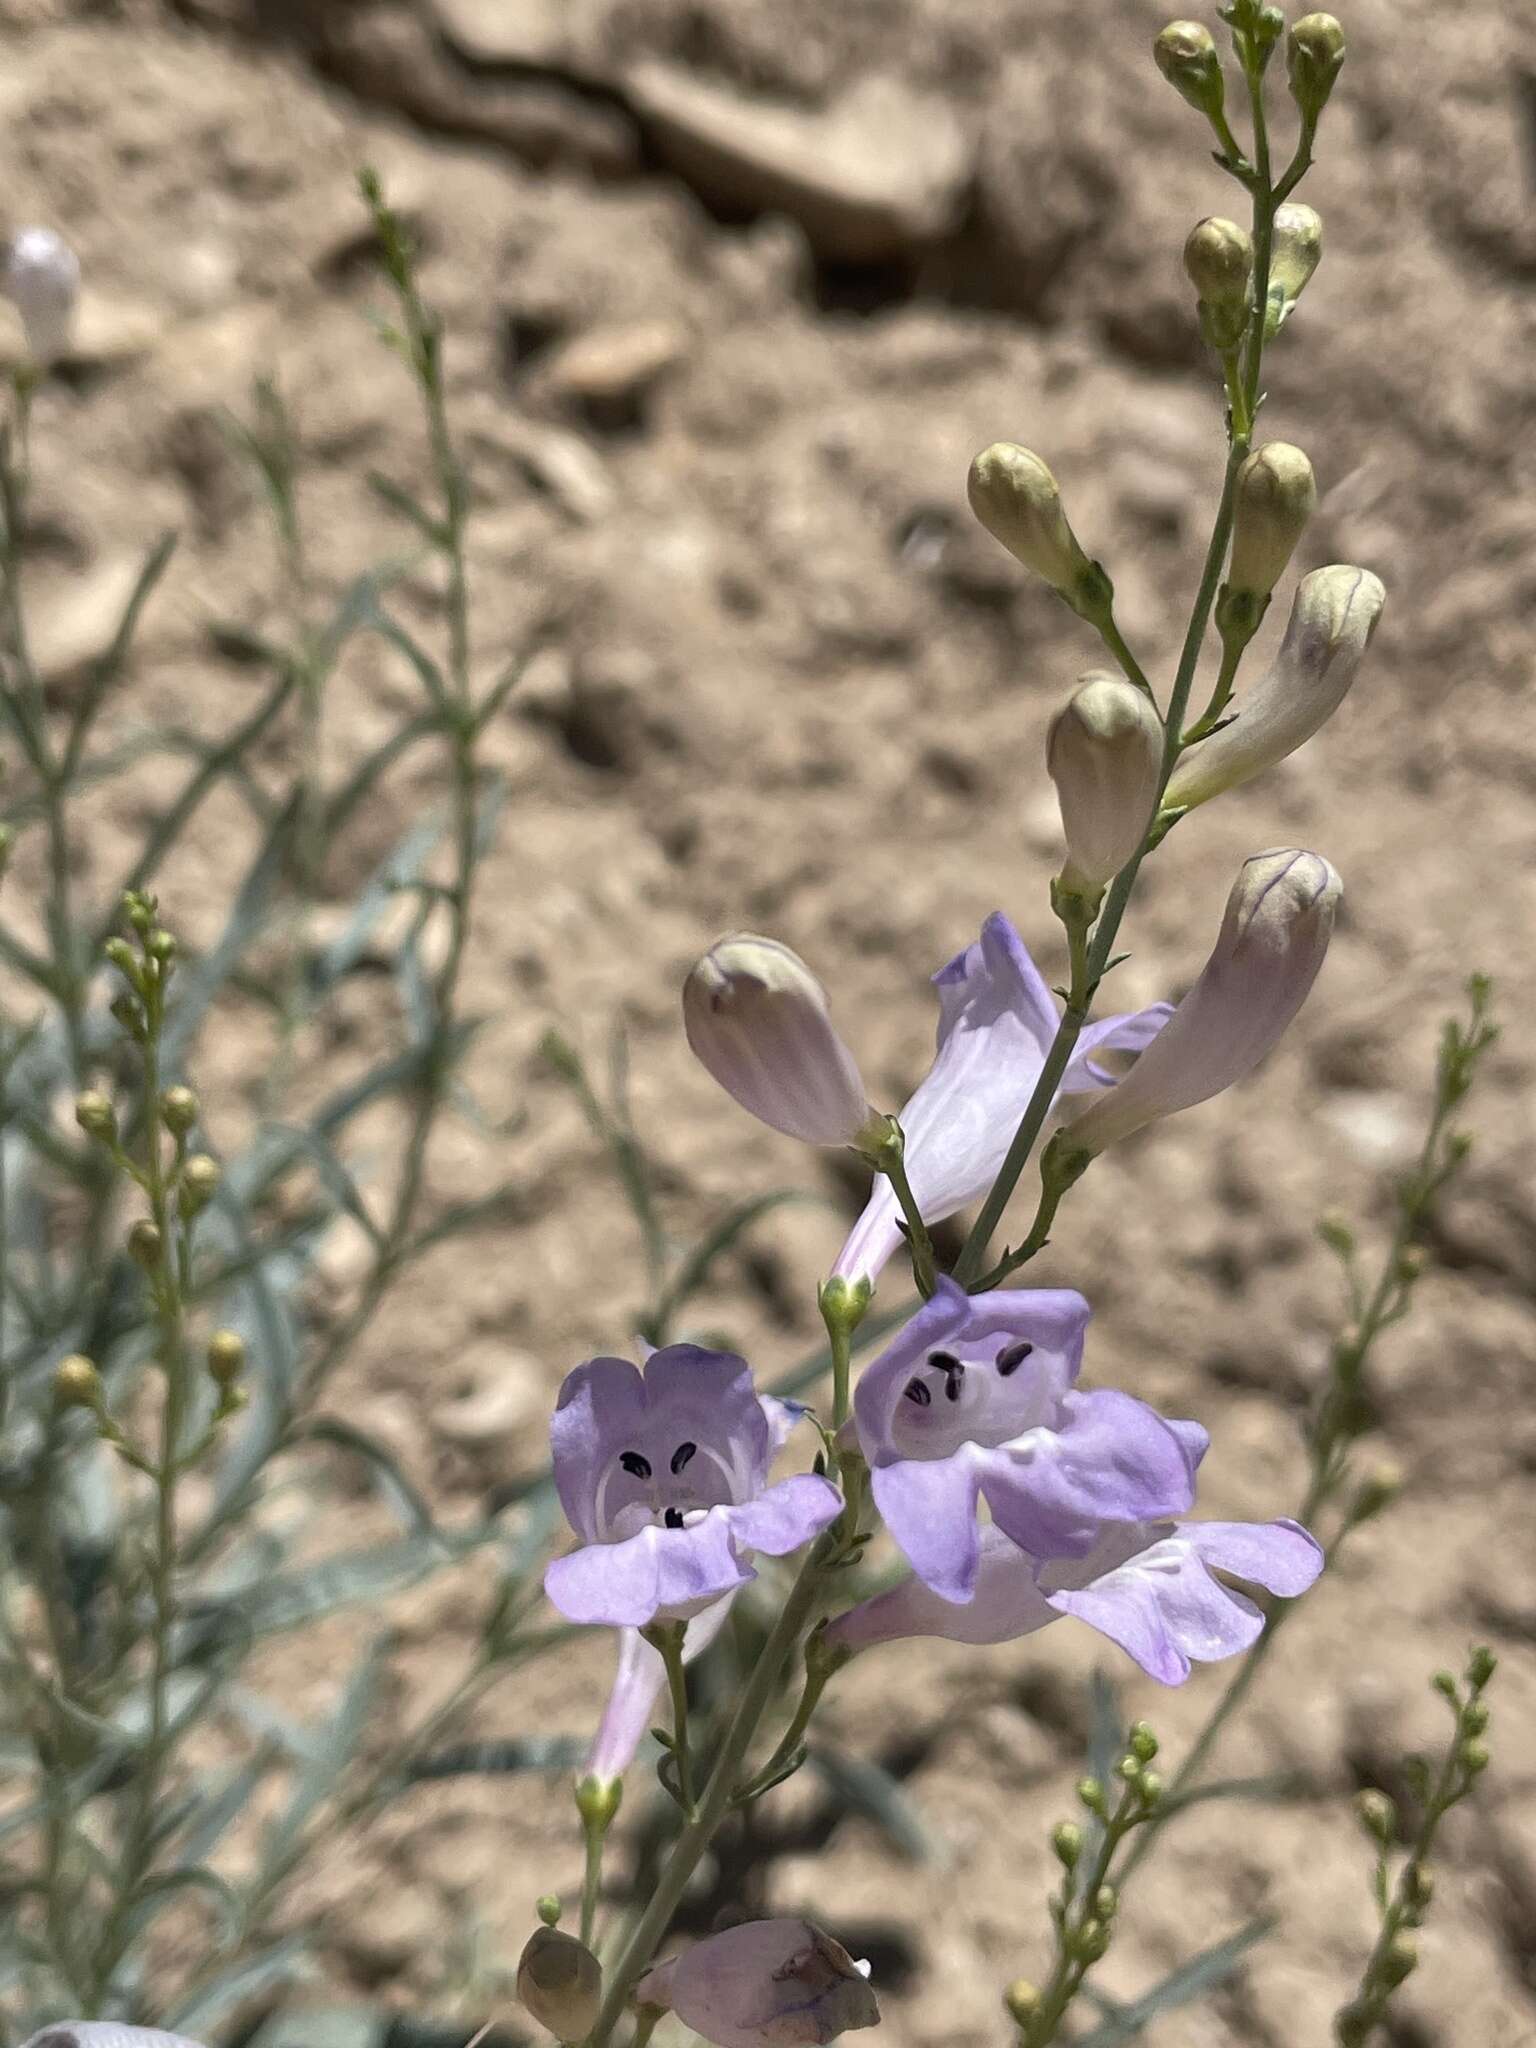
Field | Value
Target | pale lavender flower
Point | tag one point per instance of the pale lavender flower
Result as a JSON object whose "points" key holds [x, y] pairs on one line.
{"points": [[1333, 617], [41, 278], [997, 1019], [664, 1477], [765, 1984], [641, 1676], [975, 1399], [1151, 1587], [758, 1019], [1273, 938], [105, 2034]]}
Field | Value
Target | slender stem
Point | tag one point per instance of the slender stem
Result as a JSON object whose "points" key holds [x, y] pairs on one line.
{"points": [[594, 1835], [1114, 640], [1232, 652], [715, 1802], [924, 1264], [1077, 1908], [667, 1637]]}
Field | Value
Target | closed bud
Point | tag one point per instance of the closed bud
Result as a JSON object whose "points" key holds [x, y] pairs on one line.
{"points": [[1273, 938], [200, 1179], [226, 1357], [96, 1116], [1481, 1667], [598, 1800], [1018, 501], [1218, 257], [1276, 496], [1474, 1757], [1186, 56], [1332, 621], [560, 1982], [1091, 1795], [76, 1383], [759, 1020], [1295, 252], [1067, 1841], [1022, 2000], [549, 1910], [160, 945], [144, 1244], [122, 957], [1149, 1788], [1444, 1683], [1419, 1885], [1400, 1960], [1106, 1902], [179, 1108], [1144, 1744], [1314, 53], [42, 281], [1475, 1717], [1378, 1816], [1105, 756], [1091, 1941]]}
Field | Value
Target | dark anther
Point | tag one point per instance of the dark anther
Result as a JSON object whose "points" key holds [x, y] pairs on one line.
{"points": [[952, 1369], [917, 1390], [636, 1466], [681, 1456], [1010, 1360], [673, 1518]]}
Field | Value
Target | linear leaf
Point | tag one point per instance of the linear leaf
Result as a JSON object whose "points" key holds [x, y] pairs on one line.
{"points": [[1180, 1987], [865, 1788], [245, 1979], [195, 988], [109, 664], [402, 1496]]}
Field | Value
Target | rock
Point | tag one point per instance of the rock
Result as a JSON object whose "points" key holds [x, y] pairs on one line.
{"points": [[561, 464], [608, 371], [537, 35], [881, 173], [504, 1395], [77, 620]]}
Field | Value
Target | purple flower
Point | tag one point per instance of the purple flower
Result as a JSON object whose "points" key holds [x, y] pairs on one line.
{"points": [[997, 1019], [976, 1398], [765, 1984], [1151, 1587], [664, 1477]]}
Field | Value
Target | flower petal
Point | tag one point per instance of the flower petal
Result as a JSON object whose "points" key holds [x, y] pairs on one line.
{"points": [[1131, 1033], [668, 1572], [1163, 1607], [637, 1685], [1279, 1556], [1110, 1459], [787, 1515], [929, 1506], [601, 1407], [1008, 1603]]}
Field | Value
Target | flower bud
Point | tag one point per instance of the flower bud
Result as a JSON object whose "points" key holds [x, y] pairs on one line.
{"points": [[1278, 922], [1295, 252], [1314, 52], [1067, 1841], [549, 1909], [179, 1108], [1018, 501], [1144, 1743], [226, 1357], [1105, 756], [1378, 1816], [1474, 1758], [96, 1116], [1481, 1666], [1186, 56], [560, 1982], [76, 1383], [764, 1984], [200, 1179], [1276, 496], [1332, 619], [759, 1020], [1218, 256], [1022, 2000], [42, 280], [1400, 1960], [144, 1244]]}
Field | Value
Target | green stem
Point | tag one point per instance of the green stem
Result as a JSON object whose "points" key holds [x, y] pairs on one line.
{"points": [[718, 1792], [1078, 1907], [924, 1264], [1109, 632], [667, 1637]]}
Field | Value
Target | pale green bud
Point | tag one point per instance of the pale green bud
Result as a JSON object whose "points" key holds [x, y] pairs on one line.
{"points": [[1332, 620], [179, 1108], [1144, 1744], [1018, 501], [200, 1179], [226, 1357], [560, 1982], [1067, 1841], [96, 1116], [1295, 252], [1218, 256], [144, 1244], [1186, 56], [1400, 1960], [1474, 1757], [1022, 2000], [1314, 52], [549, 1910], [1378, 1816], [1481, 1667], [76, 1383], [1091, 1793], [1276, 496], [1104, 753]]}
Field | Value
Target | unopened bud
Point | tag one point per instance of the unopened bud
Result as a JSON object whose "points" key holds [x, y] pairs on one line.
{"points": [[598, 1800], [1273, 938], [160, 945], [1022, 2000], [122, 957], [1419, 1884], [1218, 257], [42, 280], [1444, 1683], [1377, 1490], [1067, 1841], [1474, 1757], [144, 1244], [1314, 53], [1144, 1744], [76, 1383], [1018, 501], [1378, 1816], [1475, 1717], [1295, 252], [1106, 1902], [200, 1179], [1276, 496], [1481, 1666], [1333, 618], [759, 1020], [96, 1116], [560, 1982], [1091, 1794], [1149, 1788], [1400, 1960], [1186, 56], [179, 1108], [226, 1357], [1091, 1941], [1104, 753]]}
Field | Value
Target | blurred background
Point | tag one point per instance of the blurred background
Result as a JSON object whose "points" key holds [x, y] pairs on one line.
{"points": [[734, 290]]}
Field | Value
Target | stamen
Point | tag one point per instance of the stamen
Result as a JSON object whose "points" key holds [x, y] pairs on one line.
{"points": [[681, 1456], [1012, 1358], [635, 1465], [917, 1390], [673, 1518], [952, 1369]]}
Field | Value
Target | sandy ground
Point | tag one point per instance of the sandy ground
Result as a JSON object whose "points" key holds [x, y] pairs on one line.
{"points": [[720, 454]]}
